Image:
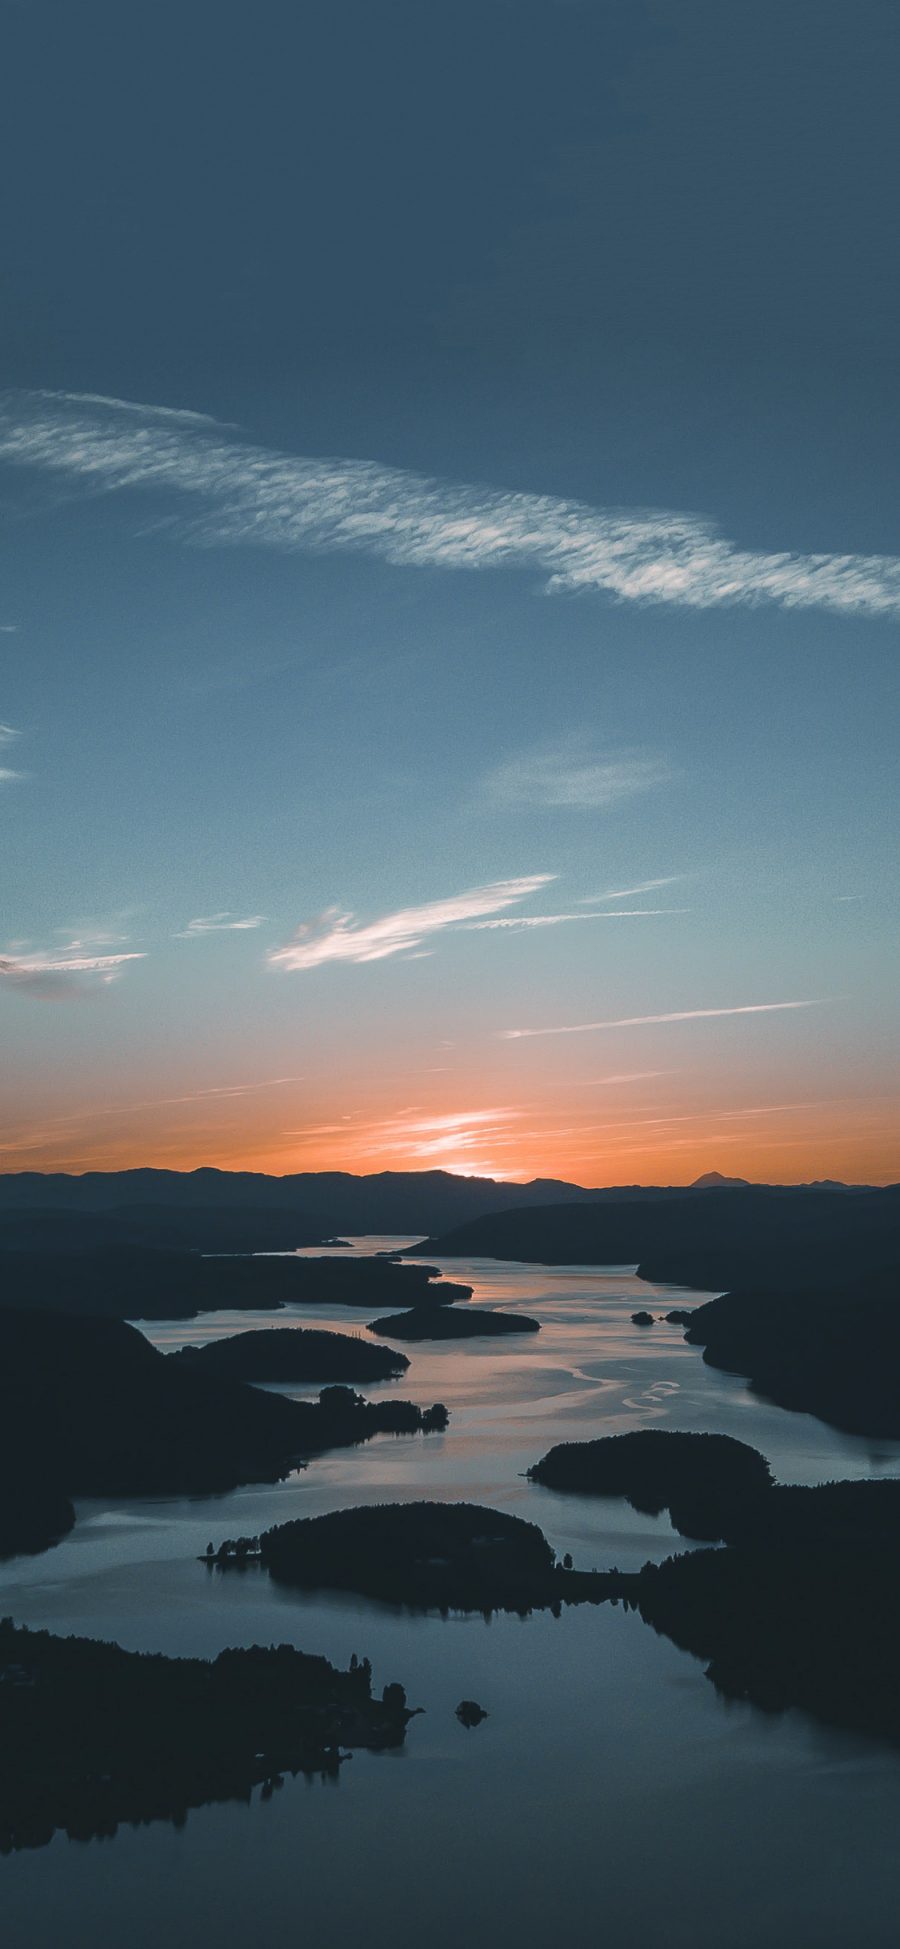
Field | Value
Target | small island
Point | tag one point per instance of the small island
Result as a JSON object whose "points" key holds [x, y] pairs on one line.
{"points": [[294, 1353], [425, 1556], [643, 1318], [704, 1481], [452, 1323], [91, 1735]]}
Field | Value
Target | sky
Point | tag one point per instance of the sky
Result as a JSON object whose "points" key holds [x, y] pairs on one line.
{"points": [[448, 638]]}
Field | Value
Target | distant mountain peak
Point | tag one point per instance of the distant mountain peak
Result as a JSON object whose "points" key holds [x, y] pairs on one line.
{"points": [[714, 1181]]}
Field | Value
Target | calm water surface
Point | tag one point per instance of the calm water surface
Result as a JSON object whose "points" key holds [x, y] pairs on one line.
{"points": [[610, 1794]]}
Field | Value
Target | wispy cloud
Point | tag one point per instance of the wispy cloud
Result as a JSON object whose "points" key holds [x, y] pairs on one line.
{"points": [[627, 1076], [679, 1015], [240, 493], [9, 735], [453, 1140], [335, 936], [630, 893], [226, 923], [60, 977], [519, 922], [569, 775]]}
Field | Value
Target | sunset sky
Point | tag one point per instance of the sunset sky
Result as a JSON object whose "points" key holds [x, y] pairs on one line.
{"points": [[448, 644]]}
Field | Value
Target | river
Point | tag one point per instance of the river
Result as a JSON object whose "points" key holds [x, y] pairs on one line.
{"points": [[610, 1793]]}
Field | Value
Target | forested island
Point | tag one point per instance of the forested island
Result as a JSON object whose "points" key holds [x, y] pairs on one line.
{"points": [[89, 1408], [295, 1353], [452, 1323], [704, 1481], [426, 1556], [91, 1735]]}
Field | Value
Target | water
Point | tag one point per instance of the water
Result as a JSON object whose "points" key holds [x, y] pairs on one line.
{"points": [[610, 1792]]}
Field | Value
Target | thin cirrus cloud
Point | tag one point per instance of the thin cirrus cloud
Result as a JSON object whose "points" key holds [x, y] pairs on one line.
{"points": [[631, 893], [8, 735], [335, 936], [233, 492], [519, 923], [678, 1015], [567, 775], [226, 923], [458, 1139], [62, 977]]}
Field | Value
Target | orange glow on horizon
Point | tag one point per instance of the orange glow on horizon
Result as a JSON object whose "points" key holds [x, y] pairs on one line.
{"points": [[654, 1142]]}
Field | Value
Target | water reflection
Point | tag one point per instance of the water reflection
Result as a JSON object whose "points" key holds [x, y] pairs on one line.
{"points": [[610, 1788]]}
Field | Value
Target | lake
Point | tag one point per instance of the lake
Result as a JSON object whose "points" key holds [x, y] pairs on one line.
{"points": [[609, 1793]]}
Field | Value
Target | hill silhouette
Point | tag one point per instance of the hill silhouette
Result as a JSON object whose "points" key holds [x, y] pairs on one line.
{"points": [[396, 1202]]}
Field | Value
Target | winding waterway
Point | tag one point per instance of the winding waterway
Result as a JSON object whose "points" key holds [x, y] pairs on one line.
{"points": [[610, 1794]]}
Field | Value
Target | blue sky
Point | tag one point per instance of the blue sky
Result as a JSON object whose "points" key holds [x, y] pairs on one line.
{"points": [[448, 477]]}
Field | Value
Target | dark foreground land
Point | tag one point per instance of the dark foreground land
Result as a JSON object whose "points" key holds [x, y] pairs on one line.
{"points": [[91, 1735], [294, 1353], [89, 1408], [148, 1282], [450, 1323]]}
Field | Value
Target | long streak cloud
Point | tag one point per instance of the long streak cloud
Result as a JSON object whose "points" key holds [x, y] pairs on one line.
{"points": [[678, 1015], [233, 492]]}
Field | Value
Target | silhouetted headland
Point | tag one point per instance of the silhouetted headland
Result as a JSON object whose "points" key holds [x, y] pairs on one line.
{"points": [[834, 1353], [427, 1556], [295, 1353], [758, 1238], [802, 1609], [450, 1323], [173, 1228], [91, 1735], [89, 1408], [144, 1282]]}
